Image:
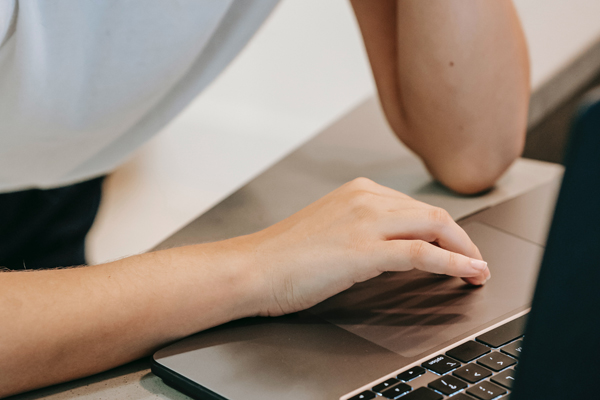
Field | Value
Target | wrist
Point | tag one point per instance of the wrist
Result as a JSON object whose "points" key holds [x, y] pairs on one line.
{"points": [[235, 284]]}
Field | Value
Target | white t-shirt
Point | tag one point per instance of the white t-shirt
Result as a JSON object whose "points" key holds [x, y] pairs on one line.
{"points": [[83, 83]]}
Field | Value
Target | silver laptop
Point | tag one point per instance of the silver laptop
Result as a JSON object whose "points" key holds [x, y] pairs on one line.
{"points": [[364, 341]]}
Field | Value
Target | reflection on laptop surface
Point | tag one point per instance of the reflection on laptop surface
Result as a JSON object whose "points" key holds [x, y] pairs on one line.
{"points": [[419, 337], [562, 352]]}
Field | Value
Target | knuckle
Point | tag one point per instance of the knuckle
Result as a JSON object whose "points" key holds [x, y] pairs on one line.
{"points": [[452, 261], [417, 251], [439, 216], [361, 183], [361, 200]]}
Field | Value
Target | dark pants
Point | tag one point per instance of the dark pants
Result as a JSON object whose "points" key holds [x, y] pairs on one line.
{"points": [[47, 228]]}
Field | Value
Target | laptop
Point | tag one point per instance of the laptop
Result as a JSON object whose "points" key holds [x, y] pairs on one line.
{"points": [[419, 336]]}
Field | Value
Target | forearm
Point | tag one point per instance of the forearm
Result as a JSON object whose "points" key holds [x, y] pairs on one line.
{"points": [[59, 325], [454, 86]]}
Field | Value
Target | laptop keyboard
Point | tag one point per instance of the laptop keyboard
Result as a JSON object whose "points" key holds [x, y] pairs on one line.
{"points": [[480, 369]]}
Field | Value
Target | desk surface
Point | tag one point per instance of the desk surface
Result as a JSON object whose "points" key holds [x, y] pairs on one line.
{"points": [[314, 168], [151, 197]]}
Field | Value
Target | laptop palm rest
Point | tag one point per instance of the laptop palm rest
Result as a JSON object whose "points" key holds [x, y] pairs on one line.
{"points": [[358, 336], [412, 313]]}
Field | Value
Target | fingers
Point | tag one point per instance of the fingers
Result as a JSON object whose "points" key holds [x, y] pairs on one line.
{"points": [[430, 224], [478, 280], [403, 255], [398, 216], [410, 226]]}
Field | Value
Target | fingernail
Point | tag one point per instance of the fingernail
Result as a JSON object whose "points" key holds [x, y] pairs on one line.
{"points": [[478, 265]]}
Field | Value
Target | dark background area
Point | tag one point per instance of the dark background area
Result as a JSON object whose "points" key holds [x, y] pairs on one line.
{"points": [[546, 141]]}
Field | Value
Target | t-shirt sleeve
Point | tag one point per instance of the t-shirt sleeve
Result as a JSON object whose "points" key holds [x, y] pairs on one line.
{"points": [[8, 9]]}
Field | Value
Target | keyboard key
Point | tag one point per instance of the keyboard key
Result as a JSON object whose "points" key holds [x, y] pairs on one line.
{"points": [[411, 374], [447, 385], [396, 391], [423, 393], [384, 385], [505, 378], [486, 391], [472, 373], [496, 361], [505, 333], [441, 364], [468, 351], [514, 349], [366, 395]]}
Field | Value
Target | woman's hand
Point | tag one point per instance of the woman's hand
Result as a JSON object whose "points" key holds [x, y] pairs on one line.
{"points": [[68, 323], [353, 234]]}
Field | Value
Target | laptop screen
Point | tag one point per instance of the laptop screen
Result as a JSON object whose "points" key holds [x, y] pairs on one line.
{"points": [[561, 356]]}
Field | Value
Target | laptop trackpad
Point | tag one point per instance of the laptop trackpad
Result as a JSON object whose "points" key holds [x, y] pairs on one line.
{"points": [[411, 313]]}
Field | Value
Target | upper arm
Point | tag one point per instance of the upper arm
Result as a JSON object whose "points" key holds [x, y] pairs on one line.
{"points": [[377, 22]]}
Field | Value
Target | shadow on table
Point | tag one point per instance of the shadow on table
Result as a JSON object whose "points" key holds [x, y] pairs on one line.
{"points": [[155, 385]]}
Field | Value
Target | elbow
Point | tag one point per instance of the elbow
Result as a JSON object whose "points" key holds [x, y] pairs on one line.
{"points": [[470, 174], [467, 179]]}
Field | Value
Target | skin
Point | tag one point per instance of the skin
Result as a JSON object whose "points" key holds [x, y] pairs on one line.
{"points": [[453, 81], [85, 320], [465, 121]]}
